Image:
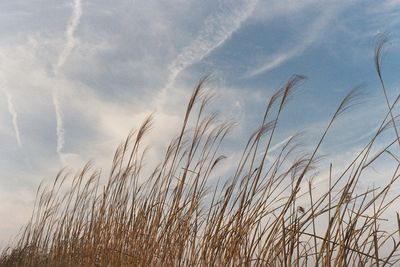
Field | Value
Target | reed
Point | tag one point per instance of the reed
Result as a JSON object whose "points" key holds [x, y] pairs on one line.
{"points": [[265, 213]]}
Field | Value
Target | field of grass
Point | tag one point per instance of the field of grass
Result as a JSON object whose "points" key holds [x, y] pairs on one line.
{"points": [[179, 215]]}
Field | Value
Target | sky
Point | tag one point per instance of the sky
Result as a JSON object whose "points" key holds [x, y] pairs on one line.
{"points": [[76, 76]]}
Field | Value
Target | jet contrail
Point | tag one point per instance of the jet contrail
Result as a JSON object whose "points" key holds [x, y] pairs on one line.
{"points": [[60, 123], [280, 144], [14, 116], [69, 46], [72, 25], [310, 36], [215, 31]]}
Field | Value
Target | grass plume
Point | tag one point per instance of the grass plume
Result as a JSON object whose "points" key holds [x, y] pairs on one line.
{"points": [[266, 213]]}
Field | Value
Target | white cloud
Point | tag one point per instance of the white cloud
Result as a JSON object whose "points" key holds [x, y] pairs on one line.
{"points": [[60, 124], [14, 117], [216, 29], [69, 46], [70, 43]]}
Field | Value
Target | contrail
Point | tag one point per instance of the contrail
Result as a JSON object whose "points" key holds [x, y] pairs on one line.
{"points": [[72, 25], [215, 31], [311, 35], [14, 116], [280, 144], [69, 46], [60, 124]]}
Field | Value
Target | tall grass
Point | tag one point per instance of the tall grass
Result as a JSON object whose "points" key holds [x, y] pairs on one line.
{"points": [[266, 213]]}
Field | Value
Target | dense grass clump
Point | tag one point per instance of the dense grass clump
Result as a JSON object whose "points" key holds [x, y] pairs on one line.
{"points": [[266, 213]]}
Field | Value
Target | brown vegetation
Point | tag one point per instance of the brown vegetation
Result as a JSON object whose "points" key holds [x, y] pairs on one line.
{"points": [[179, 216]]}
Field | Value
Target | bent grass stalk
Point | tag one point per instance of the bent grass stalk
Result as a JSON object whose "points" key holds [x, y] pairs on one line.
{"points": [[178, 215]]}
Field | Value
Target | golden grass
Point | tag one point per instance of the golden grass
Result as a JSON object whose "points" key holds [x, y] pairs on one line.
{"points": [[179, 216]]}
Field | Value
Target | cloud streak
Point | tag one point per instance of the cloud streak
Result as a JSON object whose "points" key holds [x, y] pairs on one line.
{"points": [[215, 31], [60, 123], [313, 34], [280, 144], [65, 53], [70, 44], [14, 117]]}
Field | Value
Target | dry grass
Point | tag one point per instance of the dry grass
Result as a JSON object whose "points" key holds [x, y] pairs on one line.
{"points": [[179, 216]]}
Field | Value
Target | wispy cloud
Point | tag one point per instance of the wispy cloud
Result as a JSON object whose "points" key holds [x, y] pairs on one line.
{"points": [[392, 3], [69, 46], [312, 34], [280, 144], [72, 25], [14, 117], [215, 31], [60, 124]]}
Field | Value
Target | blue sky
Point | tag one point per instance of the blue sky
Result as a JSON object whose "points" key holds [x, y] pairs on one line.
{"points": [[76, 76]]}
